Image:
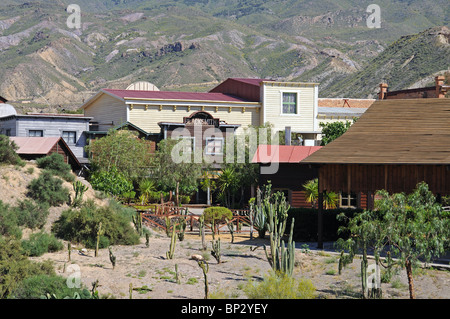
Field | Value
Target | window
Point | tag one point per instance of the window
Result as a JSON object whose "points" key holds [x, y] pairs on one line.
{"points": [[8, 132], [214, 146], [69, 137], [188, 147], [289, 103], [35, 133], [348, 200]]}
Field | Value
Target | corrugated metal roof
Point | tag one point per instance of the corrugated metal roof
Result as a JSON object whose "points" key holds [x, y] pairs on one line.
{"points": [[34, 145], [169, 95], [283, 153]]}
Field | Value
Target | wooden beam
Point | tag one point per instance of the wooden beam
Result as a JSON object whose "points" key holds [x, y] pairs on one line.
{"points": [[320, 222]]}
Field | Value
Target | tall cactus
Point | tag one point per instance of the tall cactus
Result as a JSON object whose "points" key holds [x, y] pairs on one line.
{"points": [[79, 189], [99, 233], [215, 252], [173, 241], [137, 221], [205, 267], [281, 258]]}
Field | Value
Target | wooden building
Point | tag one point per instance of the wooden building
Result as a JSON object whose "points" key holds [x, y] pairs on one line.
{"points": [[286, 175], [31, 148], [395, 145]]}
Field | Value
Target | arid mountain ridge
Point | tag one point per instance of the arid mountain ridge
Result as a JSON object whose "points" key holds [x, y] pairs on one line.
{"points": [[193, 45]]}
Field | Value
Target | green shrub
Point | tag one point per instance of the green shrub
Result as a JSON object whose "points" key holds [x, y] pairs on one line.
{"points": [[48, 189], [15, 266], [39, 286], [8, 153], [41, 243], [31, 214], [111, 182], [280, 286], [56, 165], [185, 199], [80, 225], [217, 214], [8, 222]]}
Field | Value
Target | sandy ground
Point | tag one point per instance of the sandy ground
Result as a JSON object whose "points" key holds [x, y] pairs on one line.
{"points": [[149, 267], [142, 266]]}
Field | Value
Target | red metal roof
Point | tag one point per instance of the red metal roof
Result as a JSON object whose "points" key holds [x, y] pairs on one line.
{"points": [[283, 153], [34, 145], [169, 95]]}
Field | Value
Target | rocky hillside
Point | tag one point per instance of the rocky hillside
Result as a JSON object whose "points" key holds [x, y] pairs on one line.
{"points": [[193, 45]]}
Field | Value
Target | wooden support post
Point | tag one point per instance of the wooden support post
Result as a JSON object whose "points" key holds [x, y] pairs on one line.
{"points": [[370, 200], [320, 221]]}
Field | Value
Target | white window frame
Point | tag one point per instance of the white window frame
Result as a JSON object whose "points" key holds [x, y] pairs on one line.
{"points": [[348, 198], [297, 113], [208, 139]]}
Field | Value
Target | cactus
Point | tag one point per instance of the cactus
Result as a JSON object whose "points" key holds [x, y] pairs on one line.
{"points": [[137, 221], [205, 267], [215, 252], [201, 221], [173, 241], [281, 258], [230, 226], [79, 189], [182, 228], [168, 224], [69, 249], [99, 233], [147, 239], [130, 290], [177, 274], [112, 258]]}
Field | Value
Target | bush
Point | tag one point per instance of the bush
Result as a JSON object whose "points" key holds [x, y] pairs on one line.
{"points": [[111, 182], [305, 227], [280, 286], [48, 189], [217, 214], [15, 267], [56, 165], [8, 222], [8, 153], [39, 286], [81, 225], [31, 214], [41, 243]]}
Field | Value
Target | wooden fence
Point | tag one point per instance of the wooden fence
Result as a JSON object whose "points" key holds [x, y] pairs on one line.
{"points": [[157, 217]]}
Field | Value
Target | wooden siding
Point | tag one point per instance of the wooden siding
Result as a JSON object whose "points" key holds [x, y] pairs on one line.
{"points": [[393, 178], [107, 111], [54, 127], [303, 120], [147, 118], [291, 177]]}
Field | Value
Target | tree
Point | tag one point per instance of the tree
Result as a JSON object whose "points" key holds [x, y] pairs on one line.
{"points": [[121, 149], [171, 174], [416, 227], [8, 151], [411, 228], [331, 131]]}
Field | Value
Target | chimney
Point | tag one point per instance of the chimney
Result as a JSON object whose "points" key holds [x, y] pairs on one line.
{"points": [[287, 135], [383, 91], [439, 83]]}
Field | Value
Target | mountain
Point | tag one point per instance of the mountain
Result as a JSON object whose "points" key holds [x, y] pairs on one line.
{"points": [[193, 45]]}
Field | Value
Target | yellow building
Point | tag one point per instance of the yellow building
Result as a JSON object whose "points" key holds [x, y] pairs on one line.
{"points": [[235, 103]]}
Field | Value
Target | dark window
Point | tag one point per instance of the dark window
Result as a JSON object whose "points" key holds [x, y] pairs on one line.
{"points": [[289, 103], [69, 137], [35, 133]]}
